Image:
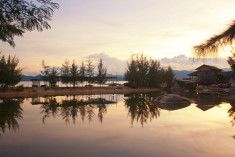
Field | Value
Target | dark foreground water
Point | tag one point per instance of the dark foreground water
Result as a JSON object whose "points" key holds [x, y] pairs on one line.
{"points": [[117, 125]]}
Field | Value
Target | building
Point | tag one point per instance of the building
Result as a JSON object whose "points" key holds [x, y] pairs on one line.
{"points": [[35, 82], [205, 74]]}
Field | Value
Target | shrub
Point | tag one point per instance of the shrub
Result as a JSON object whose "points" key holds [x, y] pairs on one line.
{"points": [[34, 89], [20, 88], [47, 87]]}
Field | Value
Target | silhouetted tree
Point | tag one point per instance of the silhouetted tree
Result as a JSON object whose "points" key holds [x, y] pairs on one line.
{"points": [[82, 73], [90, 71], [18, 16], [169, 76], [231, 60], [131, 73], [65, 73], [10, 75], [101, 76], [142, 72], [74, 74], [154, 73], [50, 74], [142, 64]]}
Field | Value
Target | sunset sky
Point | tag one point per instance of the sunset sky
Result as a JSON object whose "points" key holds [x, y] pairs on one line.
{"points": [[119, 28]]}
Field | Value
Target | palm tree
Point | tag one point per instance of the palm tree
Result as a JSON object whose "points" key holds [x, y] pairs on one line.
{"points": [[212, 45]]}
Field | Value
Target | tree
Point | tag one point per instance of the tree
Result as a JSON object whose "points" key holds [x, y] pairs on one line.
{"points": [[143, 72], [169, 76], [142, 64], [18, 16], [82, 73], [10, 75], [65, 73], [154, 73], [90, 71], [74, 74], [231, 61], [131, 72], [211, 46], [50, 74], [101, 76]]}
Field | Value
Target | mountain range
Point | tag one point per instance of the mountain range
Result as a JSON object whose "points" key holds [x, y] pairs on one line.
{"points": [[178, 74]]}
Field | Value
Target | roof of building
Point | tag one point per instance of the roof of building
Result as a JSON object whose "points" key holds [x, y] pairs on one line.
{"points": [[209, 67]]}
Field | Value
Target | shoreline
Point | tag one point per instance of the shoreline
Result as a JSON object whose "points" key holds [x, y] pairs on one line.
{"points": [[75, 91]]}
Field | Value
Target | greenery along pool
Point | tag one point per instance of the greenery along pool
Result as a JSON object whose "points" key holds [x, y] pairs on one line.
{"points": [[116, 125]]}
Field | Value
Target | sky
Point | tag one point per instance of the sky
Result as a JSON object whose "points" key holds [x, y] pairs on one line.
{"points": [[82, 29]]}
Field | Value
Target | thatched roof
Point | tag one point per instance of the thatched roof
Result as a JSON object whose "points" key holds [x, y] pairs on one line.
{"points": [[212, 45], [204, 67], [209, 67]]}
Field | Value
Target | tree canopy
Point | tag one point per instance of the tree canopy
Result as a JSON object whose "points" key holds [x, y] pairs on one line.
{"points": [[18, 16], [50, 74], [211, 46], [101, 76], [10, 75], [143, 72]]}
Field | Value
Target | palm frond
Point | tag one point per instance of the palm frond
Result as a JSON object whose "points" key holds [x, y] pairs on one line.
{"points": [[211, 47]]}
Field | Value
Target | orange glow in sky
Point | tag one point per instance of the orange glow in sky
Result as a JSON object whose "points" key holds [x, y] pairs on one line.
{"points": [[121, 28]]}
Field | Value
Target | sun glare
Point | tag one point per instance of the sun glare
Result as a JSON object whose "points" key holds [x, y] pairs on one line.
{"points": [[225, 52]]}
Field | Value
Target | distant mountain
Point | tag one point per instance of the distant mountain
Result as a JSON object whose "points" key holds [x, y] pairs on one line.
{"points": [[178, 74], [182, 73], [28, 78], [119, 77], [226, 69]]}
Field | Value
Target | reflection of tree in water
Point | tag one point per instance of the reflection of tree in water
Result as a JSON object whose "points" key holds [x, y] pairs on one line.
{"points": [[51, 109], [231, 114], [102, 110], [10, 113], [141, 107], [70, 109]]}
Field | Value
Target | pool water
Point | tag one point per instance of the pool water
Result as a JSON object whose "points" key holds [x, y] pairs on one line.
{"points": [[117, 125]]}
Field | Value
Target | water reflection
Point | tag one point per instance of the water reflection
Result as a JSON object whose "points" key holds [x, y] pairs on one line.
{"points": [[208, 101], [10, 113], [72, 107], [142, 107]]}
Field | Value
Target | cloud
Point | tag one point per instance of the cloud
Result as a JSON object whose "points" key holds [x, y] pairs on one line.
{"points": [[182, 62], [115, 65], [112, 64]]}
